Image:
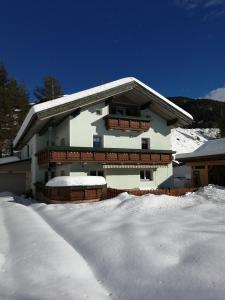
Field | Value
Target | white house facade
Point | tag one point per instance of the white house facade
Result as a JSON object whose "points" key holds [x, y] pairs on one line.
{"points": [[120, 130]]}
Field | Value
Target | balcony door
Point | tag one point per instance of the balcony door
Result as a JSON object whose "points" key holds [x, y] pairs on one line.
{"points": [[120, 111]]}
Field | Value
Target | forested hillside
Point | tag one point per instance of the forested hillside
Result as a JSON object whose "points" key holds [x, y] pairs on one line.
{"points": [[206, 113]]}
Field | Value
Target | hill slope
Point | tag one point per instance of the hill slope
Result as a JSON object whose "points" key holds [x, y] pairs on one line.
{"points": [[188, 140], [206, 113]]}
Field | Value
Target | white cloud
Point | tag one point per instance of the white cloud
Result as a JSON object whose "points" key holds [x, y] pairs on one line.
{"points": [[214, 3], [192, 4], [217, 94]]}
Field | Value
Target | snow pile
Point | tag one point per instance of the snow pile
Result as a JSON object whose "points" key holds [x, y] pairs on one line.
{"points": [[76, 181], [188, 140], [128, 248]]}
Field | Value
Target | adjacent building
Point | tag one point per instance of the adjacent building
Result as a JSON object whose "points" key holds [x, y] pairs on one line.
{"points": [[207, 163]]}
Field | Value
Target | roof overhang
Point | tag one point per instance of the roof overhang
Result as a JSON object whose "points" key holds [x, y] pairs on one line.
{"points": [[200, 158], [57, 109]]}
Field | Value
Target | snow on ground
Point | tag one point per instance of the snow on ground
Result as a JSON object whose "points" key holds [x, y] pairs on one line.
{"points": [[188, 140], [149, 247]]}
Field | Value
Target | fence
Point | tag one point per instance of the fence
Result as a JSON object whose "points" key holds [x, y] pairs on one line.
{"points": [[111, 193]]}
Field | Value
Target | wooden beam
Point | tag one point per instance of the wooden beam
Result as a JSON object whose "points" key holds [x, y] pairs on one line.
{"points": [[45, 127], [108, 100], [76, 112], [172, 122], [145, 105]]}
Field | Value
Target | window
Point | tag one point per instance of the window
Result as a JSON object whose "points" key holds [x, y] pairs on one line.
{"points": [[96, 173], [98, 112], [120, 110], [145, 143], [101, 173], [146, 175], [97, 141]]}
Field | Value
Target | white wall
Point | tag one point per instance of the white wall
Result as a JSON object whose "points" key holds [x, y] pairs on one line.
{"points": [[88, 123], [126, 178], [62, 131]]}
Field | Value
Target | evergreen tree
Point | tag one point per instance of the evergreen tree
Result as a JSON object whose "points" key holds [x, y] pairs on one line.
{"points": [[51, 90], [13, 108]]}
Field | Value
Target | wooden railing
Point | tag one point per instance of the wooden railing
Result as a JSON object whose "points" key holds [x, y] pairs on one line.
{"points": [[97, 193], [127, 123], [135, 157], [69, 194], [111, 193]]}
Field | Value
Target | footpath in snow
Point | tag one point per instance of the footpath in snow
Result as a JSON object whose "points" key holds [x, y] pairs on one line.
{"points": [[130, 248]]}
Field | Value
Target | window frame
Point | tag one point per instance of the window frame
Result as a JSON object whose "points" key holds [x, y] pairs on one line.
{"points": [[145, 177], [97, 173], [148, 143], [101, 141]]}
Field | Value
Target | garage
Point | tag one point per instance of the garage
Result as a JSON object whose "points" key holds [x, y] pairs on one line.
{"points": [[15, 176], [216, 175], [207, 163]]}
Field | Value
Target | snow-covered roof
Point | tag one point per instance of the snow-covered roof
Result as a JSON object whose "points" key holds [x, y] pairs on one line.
{"points": [[76, 181], [8, 159], [209, 148], [78, 97]]}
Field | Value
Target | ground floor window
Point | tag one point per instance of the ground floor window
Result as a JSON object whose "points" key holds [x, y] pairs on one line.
{"points": [[97, 173], [146, 175]]}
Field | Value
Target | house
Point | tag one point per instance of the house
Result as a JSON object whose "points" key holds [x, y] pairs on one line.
{"points": [[207, 163], [119, 130]]}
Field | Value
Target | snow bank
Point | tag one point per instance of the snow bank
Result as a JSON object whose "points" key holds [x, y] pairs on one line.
{"points": [[128, 248], [76, 181]]}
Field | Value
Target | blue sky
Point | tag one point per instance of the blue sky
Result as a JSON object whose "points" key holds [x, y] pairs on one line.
{"points": [[175, 46]]}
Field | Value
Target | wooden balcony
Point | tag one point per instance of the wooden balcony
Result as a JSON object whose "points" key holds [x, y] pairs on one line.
{"points": [[115, 156], [127, 123]]}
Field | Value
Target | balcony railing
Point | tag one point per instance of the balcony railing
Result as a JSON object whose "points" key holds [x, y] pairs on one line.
{"points": [[116, 156], [128, 123]]}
